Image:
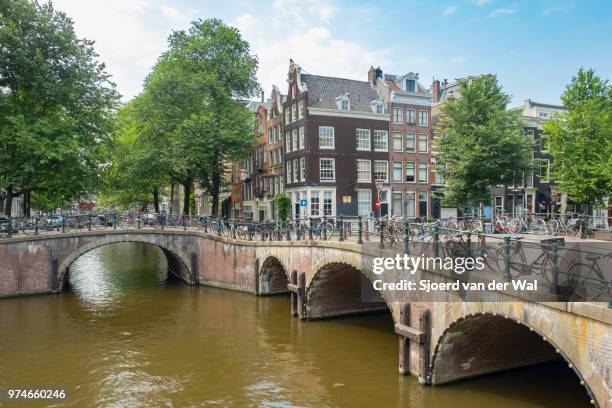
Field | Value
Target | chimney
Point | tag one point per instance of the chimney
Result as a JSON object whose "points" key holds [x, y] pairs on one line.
{"points": [[372, 75], [435, 90]]}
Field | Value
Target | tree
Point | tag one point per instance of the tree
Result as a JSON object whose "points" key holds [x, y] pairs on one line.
{"points": [[194, 95], [56, 105], [580, 140], [283, 203], [481, 143]]}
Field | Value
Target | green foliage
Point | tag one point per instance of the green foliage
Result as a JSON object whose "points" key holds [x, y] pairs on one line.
{"points": [[580, 141], [56, 104], [283, 203], [189, 122], [481, 143]]}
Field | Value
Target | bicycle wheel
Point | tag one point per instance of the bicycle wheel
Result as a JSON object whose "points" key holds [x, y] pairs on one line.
{"points": [[329, 230], [587, 283]]}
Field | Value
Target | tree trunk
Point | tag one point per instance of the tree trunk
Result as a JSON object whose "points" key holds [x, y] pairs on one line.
{"points": [[156, 199], [481, 215], [8, 203], [26, 203], [216, 184], [186, 197], [171, 199]]}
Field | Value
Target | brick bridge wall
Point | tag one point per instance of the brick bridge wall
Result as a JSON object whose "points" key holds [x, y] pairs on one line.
{"points": [[447, 341]]}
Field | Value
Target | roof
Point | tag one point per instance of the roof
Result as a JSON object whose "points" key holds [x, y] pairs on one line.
{"points": [[323, 92], [545, 105], [254, 105]]}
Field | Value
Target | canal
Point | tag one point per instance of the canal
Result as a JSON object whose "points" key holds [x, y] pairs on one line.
{"points": [[122, 337]]}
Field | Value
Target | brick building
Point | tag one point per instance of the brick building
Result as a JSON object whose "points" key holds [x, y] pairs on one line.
{"points": [[410, 150], [336, 144]]}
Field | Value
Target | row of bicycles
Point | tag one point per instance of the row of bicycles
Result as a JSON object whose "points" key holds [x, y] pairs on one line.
{"points": [[561, 225]]}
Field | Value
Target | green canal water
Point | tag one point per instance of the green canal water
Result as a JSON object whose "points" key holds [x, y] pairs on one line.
{"points": [[121, 338]]}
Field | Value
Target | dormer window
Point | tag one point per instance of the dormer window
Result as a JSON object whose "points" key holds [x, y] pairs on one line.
{"points": [[344, 104], [410, 85], [380, 108]]}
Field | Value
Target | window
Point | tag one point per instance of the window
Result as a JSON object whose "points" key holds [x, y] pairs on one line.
{"points": [[380, 108], [302, 169], [296, 146], [296, 171], [423, 173], [327, 203], [289, 172], [543, 169], [287, 142], [410, 177], [363, 139], [410, 85], [397, 172], [411, 116], [314, 203], [381, 141], [411, 142], [396, 203], [287, 116], [301, 137], [300, 112], [397, 142], [530, 133], [423, 118], [410, 204], [364, 171], [381, 170], [293, 112], [364, 202], [326, 137], [422, 143], [327, 170], [397, 115], [543, 142], [440, 175], [423, 204], [344, 104]]}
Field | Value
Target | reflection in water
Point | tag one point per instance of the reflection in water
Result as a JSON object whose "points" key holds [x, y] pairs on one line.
{"points": [[121, 338]]}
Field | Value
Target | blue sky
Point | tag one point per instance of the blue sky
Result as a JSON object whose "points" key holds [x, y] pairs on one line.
{"points": [[533, 46]]}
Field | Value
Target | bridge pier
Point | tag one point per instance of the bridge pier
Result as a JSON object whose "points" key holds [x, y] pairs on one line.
{"points": [[414, 343]]}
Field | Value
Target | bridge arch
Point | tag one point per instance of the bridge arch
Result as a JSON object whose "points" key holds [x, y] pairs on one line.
{"points": [[484, 343], [341, 288], [176, 263], [273, 276]]}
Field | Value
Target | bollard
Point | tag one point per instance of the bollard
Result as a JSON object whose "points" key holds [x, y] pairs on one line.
{"points": [[114, 220], [554, 285], [89, 221], [36, 226], [139, 215], [297, 229], [583, 227], [341, 225], [219, 227], [381, 242], [359, 230], [63, 223], [250, 230], [507, 276]]}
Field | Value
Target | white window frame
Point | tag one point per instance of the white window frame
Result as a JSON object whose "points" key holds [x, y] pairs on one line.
{"points": [[294, 138], [401, 173], [333, 138], [414, 172], [414, 142], [360, 211], [333, 169], [424, 135], [386, 140], [288, 142], [401, 140], [296, 171], [301, 137], [426, 122], [408, 111], [361, 177], [357, 139], [289, 173], [302, 169], [386, 164], [300, 113], [397, 115], [426, 173]]}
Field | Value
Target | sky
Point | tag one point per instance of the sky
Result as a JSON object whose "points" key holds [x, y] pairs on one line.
{"points": [[534, 46]]}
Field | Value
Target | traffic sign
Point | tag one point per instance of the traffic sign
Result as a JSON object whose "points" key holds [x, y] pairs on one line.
{"points": [[303, 202], [377, 203]]}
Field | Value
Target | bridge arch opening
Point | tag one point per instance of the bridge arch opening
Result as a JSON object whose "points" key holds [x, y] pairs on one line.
{"points": [[341, 289], [482, 344], [273, 277], [176, 266]]}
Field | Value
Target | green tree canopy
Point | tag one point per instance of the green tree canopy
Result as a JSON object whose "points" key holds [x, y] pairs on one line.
{"points": [[56, 105], [481, 143], [580, 141]]}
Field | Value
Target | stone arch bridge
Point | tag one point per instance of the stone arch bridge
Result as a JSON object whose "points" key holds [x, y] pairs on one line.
{"points": [[439, 342]]}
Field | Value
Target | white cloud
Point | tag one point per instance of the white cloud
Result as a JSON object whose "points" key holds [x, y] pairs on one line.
{"points": [[504, 11], [449, 10], [128, 35], [555, 9]]}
